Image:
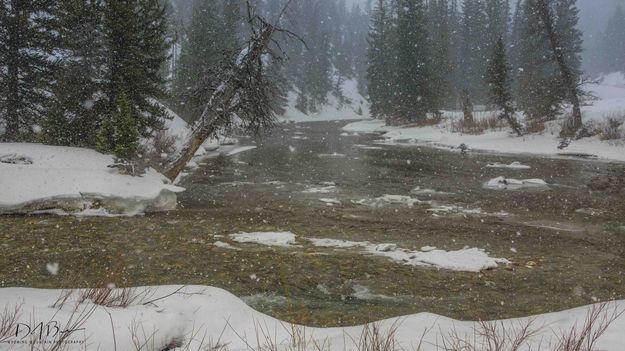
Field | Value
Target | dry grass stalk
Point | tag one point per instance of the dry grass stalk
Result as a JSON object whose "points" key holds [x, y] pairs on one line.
{"points": [[8, 320]]}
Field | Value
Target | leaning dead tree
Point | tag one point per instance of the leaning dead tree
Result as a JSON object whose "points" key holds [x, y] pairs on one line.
{"points": [[568, 77], [244, 92]]}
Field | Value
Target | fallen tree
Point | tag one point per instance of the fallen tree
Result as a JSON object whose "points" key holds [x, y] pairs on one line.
{"points": [[245, 91]]}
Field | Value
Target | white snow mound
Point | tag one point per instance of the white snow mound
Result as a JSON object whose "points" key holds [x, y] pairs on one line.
{"points": [[74, 180]]}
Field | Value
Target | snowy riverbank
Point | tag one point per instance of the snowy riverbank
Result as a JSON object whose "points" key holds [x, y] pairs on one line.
{"points": [[610, 103], [35, 177], [199, 317]]}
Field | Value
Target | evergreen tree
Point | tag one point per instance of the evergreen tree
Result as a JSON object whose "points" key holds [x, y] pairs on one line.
{"points": [[611, 51], [543, 85], [119, 134], [28, 44], [126, 135], [499, 84], [474, 49], [135, 32], [380, 62], [414, 96], [443, 65], [540, 91], [77, 102]]}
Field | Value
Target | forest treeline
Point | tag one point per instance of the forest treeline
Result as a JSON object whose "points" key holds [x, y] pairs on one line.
{"points": [[97, 73], [428, 55]]}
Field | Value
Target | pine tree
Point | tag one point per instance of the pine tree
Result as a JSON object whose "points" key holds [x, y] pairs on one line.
{"points": [[204, 47], [499, 84], [443, 65], [414, 98], [125, 135], [611, 54], [135, 32], [540, 92], [28, 42], [474, 49], [79, 75], [119, 134], [379, 56]]}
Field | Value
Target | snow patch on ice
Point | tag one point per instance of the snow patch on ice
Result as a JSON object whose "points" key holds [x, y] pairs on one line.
{"points": [[385, 200], [464, 260], [503, 183], [513, 165], [283, 239], [321, 189]]}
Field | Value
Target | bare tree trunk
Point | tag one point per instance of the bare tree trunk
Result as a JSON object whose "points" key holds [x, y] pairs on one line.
{"points": [[219, 108], [569, 79]]}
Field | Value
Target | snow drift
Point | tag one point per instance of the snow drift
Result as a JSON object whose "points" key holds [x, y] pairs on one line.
{"points": [[199, 317]]}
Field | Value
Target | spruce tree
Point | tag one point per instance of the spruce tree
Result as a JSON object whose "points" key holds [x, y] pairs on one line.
{"points": [[201, 51], [540, 92], [119, 135], [414, 98], [136, 49], [499, 84], [380, 63], [611, 51], [125, 135], [27, 60], [474, 49], [79, 75], [443, 65]]}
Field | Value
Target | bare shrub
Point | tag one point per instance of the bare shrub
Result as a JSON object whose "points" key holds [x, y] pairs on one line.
{"points": [[612, 129], [141, 340], [105, 293], [597, 321], [492, 336], [8, 319], [477, 125], [534, 126], [376, 338]]}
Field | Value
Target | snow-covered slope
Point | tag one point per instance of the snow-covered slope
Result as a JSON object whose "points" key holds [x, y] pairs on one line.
{"points": [[41, 177], [207, 318], [356, 108], [610, 103]]}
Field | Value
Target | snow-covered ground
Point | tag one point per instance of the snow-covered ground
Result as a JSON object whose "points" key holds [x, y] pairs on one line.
{"points": [[36, 177], [610, 103], [208, 318], [357, 107]]}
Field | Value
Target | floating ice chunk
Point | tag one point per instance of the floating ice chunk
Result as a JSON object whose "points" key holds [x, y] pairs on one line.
{"points": [[284, 239], [503, 183], [336, 243], [386, 247], [321, 190], [513, 165], [389, 200], [330, 202], [430, 192]]}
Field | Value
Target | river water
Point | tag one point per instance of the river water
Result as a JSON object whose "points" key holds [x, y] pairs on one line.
{"points": [[566, 241]]}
